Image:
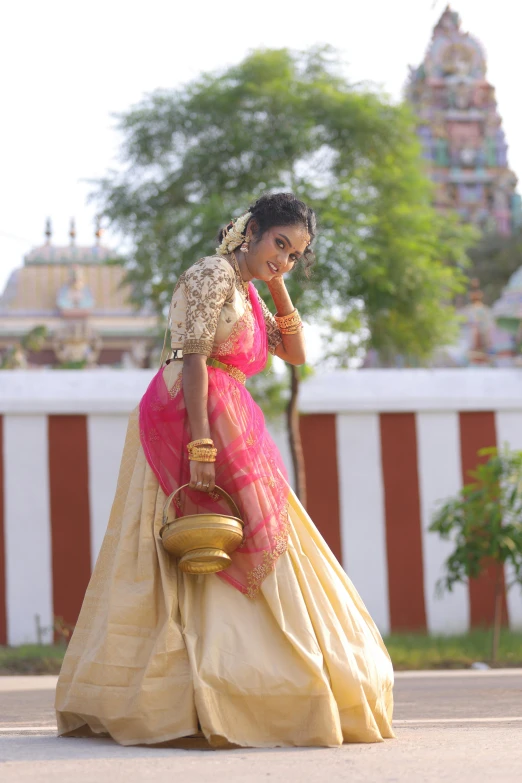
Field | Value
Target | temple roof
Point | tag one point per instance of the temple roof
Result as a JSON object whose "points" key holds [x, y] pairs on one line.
{"points": [[34, 289], [450, 20], [452, 55], [69, 280], [71, 253], [68, 254]]}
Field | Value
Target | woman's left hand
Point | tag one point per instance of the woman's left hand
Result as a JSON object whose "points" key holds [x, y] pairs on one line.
{"points": [[292, 349]]}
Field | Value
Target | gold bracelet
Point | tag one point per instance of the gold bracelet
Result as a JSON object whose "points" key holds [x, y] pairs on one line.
{"points": [[202, 450], [210, 449], [192, 458], [200, 442], [292, 329], [203, 455], [292, 319], [289, 324]]}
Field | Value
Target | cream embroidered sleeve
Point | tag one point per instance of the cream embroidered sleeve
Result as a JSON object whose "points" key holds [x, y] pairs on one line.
{"points": [[275, 337], [207, 285]]}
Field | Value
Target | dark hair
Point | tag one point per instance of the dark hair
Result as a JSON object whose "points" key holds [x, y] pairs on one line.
{"points": [[283, 209]]}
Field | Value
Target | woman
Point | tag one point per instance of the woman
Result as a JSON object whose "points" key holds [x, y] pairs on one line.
{"points": [[278, 649]]}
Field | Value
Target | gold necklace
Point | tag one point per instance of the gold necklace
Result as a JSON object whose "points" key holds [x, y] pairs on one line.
{"points": [[244, 284]]}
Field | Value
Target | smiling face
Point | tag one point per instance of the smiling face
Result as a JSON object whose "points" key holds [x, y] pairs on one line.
{"points": [[276, 251]]}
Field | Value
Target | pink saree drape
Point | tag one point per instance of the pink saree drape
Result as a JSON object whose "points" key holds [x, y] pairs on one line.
{"points": [[248, 465]]}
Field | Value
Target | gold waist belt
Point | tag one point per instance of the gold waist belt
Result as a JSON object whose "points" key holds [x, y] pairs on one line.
{"points": [[234, 372]]}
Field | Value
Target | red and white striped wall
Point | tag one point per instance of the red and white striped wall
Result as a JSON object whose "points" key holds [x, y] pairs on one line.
{"points": [[62, 439], [382, 448]]}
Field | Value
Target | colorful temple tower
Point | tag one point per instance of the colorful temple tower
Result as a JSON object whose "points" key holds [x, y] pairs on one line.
{"points": [[461, 130]]}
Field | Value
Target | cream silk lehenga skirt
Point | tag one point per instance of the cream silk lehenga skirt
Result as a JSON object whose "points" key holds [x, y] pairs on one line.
{"points": [[159, 655]]}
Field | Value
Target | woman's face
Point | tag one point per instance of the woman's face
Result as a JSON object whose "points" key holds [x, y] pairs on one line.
{"points": [[276, 252]]}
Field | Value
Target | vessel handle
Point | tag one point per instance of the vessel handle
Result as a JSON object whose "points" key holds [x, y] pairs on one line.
{"points": [[220, 491]]}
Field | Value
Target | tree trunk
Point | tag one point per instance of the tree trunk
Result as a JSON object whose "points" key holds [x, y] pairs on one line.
{"points": [[294, 436], [497, 622]]}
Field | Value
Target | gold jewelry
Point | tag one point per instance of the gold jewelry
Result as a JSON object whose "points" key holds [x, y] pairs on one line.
{"points": [[202, 449], [289, 321], [201, 442], [234, 372], [202, 455], [293, 330], [245, 245], [289, 324], [238, 272]]}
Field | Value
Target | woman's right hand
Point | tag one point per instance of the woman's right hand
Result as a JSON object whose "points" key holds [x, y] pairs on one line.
{"points": [[202, 476]]}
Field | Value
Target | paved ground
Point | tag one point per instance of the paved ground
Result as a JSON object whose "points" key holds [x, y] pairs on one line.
{"points": [[451, 726]]}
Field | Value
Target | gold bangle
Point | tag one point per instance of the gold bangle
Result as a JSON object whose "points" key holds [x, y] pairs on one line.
{"points": [[202, 457], [199, 457], [200, 442], [202, 454], [289, 324], [203, 449], [292, 330], [284, 321]]}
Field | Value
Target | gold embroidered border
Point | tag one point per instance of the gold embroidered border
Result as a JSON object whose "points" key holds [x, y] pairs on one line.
{"points": [[258, 574], [177, 386], [192, 345], [245, 321]]}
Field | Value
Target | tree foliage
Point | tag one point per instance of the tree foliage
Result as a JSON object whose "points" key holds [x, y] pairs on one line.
{"points": [[16, 355], [194, 157], [493, 260], [484, 522]]}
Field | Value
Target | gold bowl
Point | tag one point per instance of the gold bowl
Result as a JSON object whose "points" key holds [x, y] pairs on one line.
{"points": [[202, 542]]}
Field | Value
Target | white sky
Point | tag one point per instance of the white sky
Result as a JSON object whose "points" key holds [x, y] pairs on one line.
{"points": [[67, 66]]}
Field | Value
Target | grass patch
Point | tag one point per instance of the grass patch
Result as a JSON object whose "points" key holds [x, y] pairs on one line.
{"points": [[31, 659], [408, 651], [419, 651]]}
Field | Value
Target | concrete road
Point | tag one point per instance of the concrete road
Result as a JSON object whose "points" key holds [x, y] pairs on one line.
{"points": [[451, 726]]}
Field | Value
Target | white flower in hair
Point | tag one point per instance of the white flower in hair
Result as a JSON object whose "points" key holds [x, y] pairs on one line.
{"points": [[234, 236]]}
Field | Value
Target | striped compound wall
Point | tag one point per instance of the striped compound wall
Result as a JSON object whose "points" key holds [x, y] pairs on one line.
{"points": [[382, 448]]}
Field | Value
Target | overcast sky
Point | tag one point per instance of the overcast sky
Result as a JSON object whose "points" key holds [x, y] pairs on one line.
{"points": [[67, 67]]}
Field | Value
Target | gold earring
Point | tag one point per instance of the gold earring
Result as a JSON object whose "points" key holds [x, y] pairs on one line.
{"points": [[245, 245]]}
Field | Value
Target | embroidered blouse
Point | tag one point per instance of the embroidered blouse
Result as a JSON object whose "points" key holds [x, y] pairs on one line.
{"points": [[207, 303]]}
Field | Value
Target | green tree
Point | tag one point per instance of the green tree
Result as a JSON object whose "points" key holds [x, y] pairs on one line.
{"points": [[16, 356], [388, 264], [493, 260], [484, 522]]}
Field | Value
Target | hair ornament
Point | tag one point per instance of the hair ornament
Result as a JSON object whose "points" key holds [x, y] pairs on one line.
{"points": [[234, 236]]}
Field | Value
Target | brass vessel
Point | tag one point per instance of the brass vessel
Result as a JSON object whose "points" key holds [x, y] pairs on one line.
{"points": [[202, 542]]}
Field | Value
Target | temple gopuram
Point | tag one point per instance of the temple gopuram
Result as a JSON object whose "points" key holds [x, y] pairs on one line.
{"points": [[465, 150], [461, 132], [69, 307]]}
